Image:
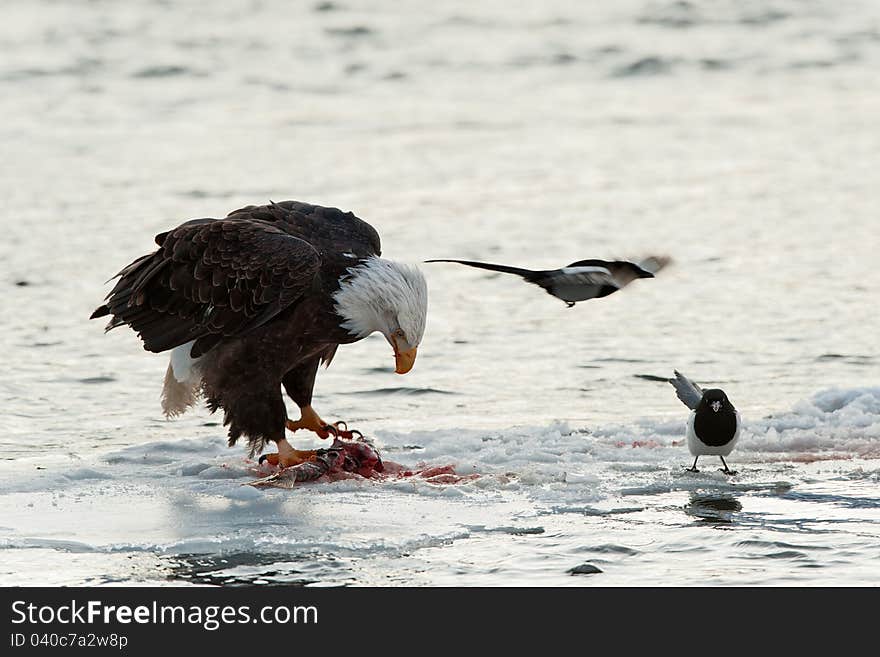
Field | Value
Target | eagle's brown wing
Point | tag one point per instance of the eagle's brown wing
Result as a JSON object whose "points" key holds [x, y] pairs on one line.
{"points": [[211, 279]]}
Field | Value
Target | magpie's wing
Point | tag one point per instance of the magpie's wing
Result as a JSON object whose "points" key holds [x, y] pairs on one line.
{"points": [[688, 391], [576, 275]]}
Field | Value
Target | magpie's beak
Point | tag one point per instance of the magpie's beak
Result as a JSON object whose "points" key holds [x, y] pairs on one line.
{"points": [[716, 406]]}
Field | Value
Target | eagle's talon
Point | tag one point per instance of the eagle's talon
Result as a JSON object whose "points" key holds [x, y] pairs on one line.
{"points": [[329, 430], [341, 430], [287, 456]]}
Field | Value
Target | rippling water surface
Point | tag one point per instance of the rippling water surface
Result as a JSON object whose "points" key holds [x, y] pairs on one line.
{"points": [[738, 137]]}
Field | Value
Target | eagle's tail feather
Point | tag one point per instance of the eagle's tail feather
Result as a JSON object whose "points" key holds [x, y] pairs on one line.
{"points": [[177, 396]]}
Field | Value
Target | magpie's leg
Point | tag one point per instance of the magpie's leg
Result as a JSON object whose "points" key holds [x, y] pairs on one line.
{"points": [[726, 470], [693, 468]]}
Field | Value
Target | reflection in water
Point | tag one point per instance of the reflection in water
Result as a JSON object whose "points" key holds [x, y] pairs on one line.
{"points": [[713, 507], [237, 569]]}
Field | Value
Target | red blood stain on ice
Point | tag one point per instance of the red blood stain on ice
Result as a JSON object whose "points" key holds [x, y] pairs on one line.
{"points": [[637, 443]]}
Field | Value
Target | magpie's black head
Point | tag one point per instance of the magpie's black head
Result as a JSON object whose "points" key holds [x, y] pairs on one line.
{"points": [[715, 400]]}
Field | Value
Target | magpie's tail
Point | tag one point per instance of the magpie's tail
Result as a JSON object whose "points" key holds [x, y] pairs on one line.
{"points": [[686, 390], [528, 274]]}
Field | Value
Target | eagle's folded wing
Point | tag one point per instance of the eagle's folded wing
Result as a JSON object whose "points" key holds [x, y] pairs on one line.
{"points": [[211, 278]]}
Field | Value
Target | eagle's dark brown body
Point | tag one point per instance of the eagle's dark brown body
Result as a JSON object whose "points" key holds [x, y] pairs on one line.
{"points": [[254, 293]]}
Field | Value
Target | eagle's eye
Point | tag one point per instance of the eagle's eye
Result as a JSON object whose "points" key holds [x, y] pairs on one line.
{"points": [[398, 333]]}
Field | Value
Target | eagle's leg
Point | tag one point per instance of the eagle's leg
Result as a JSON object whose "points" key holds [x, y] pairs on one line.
{"points": [[261, 415], [299, 383], [310, 420], [287, 455]]}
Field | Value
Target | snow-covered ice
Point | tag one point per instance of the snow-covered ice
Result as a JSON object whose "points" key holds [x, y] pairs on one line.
{"points": [[547, 497]]}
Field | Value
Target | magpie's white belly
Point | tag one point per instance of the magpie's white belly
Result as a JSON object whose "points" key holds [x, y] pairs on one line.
{"points": [[698, 448]]}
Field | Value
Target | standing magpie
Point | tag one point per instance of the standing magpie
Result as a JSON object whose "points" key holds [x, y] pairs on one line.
{"points": [[714, 425]]}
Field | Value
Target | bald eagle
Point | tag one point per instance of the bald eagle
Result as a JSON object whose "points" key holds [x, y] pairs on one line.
{"points": [[258, 300]]}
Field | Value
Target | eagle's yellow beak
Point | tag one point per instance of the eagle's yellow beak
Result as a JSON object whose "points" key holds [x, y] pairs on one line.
{"points": [[403, 358]]}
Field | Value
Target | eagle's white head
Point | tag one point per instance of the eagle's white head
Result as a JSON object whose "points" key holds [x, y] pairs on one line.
{"points": [[389, 297]]}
